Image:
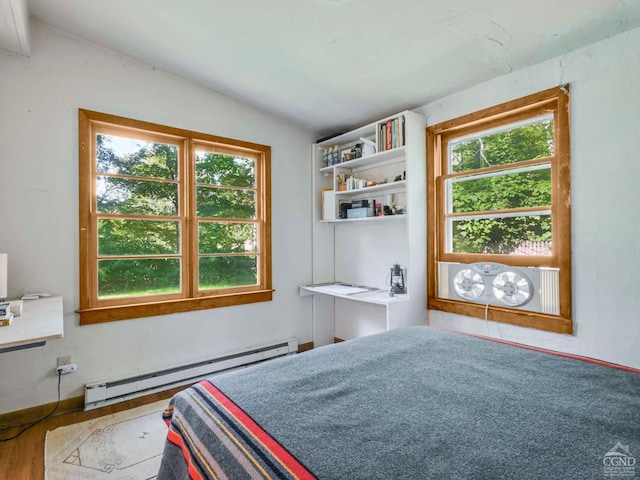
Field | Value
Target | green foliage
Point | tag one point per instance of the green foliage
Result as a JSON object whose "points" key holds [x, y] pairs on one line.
{"points": [[225, 203], [136, 197], [217, 169], [153, 192], [124, 277], [508, 190], [500, 235], [219, 272], [502, 148], [226, 237], [141, 159], [138, 237]]}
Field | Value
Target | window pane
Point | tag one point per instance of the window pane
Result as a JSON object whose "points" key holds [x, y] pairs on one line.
{"points": [[225, 203], [136, 197], [511, 144], [227, 237], [128, 278], [220, 169], [140, 158], [507, 190], [138, 237], [523, 235], [224, 272]]}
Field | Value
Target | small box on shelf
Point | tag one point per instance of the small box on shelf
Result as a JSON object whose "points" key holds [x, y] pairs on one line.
{"points": [[6, 320], [361, 212], [6, 315]]}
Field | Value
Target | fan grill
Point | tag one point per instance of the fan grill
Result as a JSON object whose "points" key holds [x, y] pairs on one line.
{"points": [[469, 284], [512, 289]]}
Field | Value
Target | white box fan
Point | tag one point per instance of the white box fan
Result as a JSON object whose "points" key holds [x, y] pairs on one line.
{"points": [[526, 288]]}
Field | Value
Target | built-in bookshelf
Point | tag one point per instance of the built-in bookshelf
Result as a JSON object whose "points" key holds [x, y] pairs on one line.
{"points": [[369, 211], [361, 164]]}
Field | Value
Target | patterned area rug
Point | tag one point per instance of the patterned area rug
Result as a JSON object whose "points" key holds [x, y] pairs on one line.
{"points": [[122, 446]]}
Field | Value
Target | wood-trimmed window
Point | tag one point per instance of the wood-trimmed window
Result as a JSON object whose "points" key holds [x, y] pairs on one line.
{"points": [[498, 190], [170, 220]]}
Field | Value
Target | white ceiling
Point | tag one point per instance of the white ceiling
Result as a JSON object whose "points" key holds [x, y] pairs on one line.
{"points": [[329, 64]]}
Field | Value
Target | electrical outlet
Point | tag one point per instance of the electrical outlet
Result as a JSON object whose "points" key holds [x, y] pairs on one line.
{"points": [[66, 360], [69, 368]]}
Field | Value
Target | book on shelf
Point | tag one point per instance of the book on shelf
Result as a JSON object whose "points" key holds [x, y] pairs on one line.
{"points": [[391, 134], [6, 320], [328, 204]]}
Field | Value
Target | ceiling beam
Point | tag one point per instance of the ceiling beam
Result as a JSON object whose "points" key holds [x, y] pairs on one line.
{"points": [[14, 27]]}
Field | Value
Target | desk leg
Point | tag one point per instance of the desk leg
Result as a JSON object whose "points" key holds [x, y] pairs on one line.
{"points": [[323, 320]]}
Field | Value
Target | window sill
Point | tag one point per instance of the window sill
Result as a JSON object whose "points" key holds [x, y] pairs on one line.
{"points": [[521, 318], [91, 316]]}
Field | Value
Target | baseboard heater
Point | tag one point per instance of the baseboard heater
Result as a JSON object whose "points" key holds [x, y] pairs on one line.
{"points": [[100, 394]]}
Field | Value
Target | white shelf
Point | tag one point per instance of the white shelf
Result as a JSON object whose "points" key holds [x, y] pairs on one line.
{"points": [[383, 218], [381, 187], [369, 160]]}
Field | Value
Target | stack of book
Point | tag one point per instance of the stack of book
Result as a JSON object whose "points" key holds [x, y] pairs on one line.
{"points": [[391, 134], [6, 315]]}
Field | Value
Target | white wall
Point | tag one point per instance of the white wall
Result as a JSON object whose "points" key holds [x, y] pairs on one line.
{"points": [[39, 101], [605, 176]]}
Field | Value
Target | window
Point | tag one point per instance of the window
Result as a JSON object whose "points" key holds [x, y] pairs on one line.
{"points": [[170, 220], [499, 192]]}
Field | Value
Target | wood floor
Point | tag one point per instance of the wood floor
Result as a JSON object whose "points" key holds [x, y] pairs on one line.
{"points": [[23, 458]]}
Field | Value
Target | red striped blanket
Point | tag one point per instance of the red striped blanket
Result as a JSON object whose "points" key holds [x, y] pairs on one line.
{"points": [[234, 436]]}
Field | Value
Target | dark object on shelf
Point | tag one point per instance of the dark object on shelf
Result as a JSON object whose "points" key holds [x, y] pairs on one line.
{"points": [[344, 207], [396, 280], [387, 210], [398, 178], [359, 203], [320, 140]]}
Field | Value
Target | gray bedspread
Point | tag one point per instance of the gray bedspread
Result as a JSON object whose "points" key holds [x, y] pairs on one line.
{"points": [[421, 403]]}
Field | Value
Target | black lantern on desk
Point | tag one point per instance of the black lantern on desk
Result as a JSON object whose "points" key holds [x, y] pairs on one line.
{"points": [[396, 280]]}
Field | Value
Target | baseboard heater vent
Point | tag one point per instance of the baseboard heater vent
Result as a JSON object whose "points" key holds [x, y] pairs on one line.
{"points": [[100, 394]]}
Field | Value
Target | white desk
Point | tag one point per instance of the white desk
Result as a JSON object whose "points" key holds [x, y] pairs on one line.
{"points": [[395, 311], [41, 320], [359, 294]]}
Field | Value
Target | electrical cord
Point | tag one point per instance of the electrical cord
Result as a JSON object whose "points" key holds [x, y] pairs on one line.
{"points": [[486, 321], [40, 419], [486, 317]]}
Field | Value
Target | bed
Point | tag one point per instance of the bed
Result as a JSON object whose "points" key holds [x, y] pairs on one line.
{"points": [[412, 403]]}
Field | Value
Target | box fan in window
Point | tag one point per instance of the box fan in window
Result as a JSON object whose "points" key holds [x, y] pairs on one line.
{"points": [[525, 288]]}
